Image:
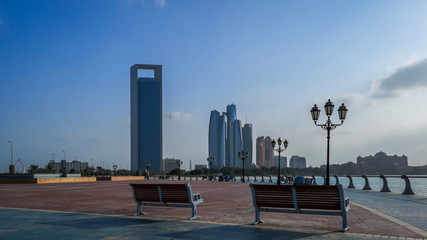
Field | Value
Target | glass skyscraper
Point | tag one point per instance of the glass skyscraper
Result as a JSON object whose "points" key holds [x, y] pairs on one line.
{"points": [[146, 118], [226, 138], [247, 142], [231, 116], [238, 143], [217, 138]]}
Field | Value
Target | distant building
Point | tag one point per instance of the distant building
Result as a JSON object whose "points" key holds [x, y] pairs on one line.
{"points": [[269, 153], [247, 143], [200, 166], [283, 161], [146, 118], [170, 164], [297, 162], [226, 138], [238, 143], [380, 162], [260, 151], [264, 152], [63, 165], [217, 138]]}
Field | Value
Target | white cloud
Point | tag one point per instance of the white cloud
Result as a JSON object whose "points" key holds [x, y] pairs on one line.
{"points": [[179, 116], [160, 3], [407, 77]]}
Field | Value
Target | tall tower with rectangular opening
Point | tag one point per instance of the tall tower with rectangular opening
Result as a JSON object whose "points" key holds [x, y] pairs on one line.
{"points": [[146, 118]]}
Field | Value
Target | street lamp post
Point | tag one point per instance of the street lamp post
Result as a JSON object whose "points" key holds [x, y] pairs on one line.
{"points": [[243, 156], [11, 166], [11, 152], [179, 163], [279, 150], [328, 126], [211, 160], [147, 166]]}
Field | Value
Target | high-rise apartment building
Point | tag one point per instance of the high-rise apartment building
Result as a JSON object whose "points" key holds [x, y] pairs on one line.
{"points": [[146, 118], [260, 151], [269, 153], [247, 133], [264, 152]]}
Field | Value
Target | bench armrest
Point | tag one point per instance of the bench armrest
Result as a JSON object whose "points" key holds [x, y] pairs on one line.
{"points": [[196, 196]]}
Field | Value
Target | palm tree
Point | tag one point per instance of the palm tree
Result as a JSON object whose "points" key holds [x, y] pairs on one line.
{"points": [[33, 168]]}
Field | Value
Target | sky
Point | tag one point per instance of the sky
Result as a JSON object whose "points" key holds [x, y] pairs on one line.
{"points": [[65, 75]]}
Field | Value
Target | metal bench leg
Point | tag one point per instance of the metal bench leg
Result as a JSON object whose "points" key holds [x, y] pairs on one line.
{"points": [[194, 213], [344, 222], [139, 210], [257, 217]]}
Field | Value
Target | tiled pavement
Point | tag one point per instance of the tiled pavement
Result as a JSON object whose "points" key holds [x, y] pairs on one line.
{"points": [[411, 209], [35, 224], [101, 211]]}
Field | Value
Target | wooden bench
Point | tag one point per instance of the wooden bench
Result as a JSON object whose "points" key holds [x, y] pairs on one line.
{"points": [[169, 195], [323, 200]]}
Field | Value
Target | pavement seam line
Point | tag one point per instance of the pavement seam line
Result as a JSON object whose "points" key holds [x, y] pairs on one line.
{"points": [[395, 220]]}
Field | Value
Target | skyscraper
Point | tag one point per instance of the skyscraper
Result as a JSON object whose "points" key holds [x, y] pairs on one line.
{"points": [[226, 138], [269, 153], [146, 118], [238, 143], [247, 143], [260, 151], [231, 116], [217, 138]]}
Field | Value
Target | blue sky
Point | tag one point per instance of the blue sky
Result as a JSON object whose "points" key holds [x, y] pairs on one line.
{"points": [[64, 75]]}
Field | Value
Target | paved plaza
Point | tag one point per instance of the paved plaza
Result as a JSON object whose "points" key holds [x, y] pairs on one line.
{"points": [[102, 210]]}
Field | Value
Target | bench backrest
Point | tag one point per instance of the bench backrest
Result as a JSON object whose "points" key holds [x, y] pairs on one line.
{"points": [[166, 193], [318, 197], [298, 197], [174, 193], [146, 192], [268, 195]]}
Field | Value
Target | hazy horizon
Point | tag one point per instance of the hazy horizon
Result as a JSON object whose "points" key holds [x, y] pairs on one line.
{"points": [[65, 81]]}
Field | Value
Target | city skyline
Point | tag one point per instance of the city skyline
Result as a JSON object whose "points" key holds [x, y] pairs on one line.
{"points": [[65, 75]]}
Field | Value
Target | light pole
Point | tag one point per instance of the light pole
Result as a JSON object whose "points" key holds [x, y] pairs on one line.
{"points": [[11, 166], [179, 163], [64, 155], [279, 150], [243, 156], [211, 160], [11, 151], [328, 126], [147, 166]]}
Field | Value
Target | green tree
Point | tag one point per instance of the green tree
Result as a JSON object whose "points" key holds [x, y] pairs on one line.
{"points": [[33, 168]]}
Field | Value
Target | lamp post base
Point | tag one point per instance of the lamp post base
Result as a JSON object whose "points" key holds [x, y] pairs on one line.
{"points": [[11, 169]]}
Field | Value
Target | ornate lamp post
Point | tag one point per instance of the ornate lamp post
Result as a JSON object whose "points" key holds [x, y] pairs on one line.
{"points": [[279, 150], [328, 126], [147, 166], [243, 156], [210, 160], [179, 163]]}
